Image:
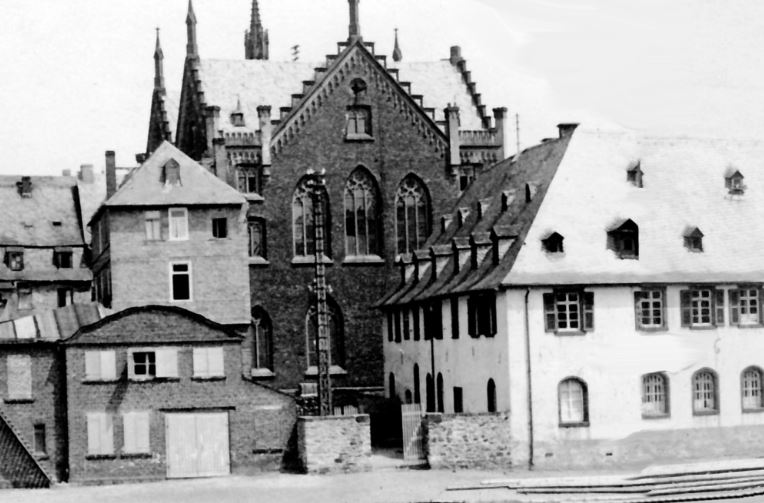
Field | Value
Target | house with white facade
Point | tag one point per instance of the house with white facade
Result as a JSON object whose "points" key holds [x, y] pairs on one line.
{"points": [[604, 291]]}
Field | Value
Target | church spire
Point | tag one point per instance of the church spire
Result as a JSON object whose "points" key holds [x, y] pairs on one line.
{"points": [[191, 48], [397, 54], [158, 66], [255, 39], [354, 29]]}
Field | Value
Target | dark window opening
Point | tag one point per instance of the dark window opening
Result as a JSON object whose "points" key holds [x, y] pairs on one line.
{"points": [[62, 259], [441, 406], [256, 234], [430, 385], [454, 317], [40, 446], [553, 243], [220, 227], [458, 400], [14, 260], [491, 395], [144, 364], [63, 296], [693, 240], [417, 393], [634, 175], [181, 282], [624, 240], [481, 314], [249, 179]]}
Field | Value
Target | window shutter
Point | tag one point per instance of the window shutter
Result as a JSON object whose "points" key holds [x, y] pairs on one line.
{"points": [[416, 323], [108, 365], [129, 432], [734, 307], [588, 310], [389, 326], [107, 434], [761, 305], [167, 362], [492, 307], [142, 425], [438, 316], [549, 317], [201, 367], [92, 365], [471, 316], [19, 377], [719, 307], [637, 311], [685, 303], [397, 325], [94, 433], [454, 317], [215, 362]]}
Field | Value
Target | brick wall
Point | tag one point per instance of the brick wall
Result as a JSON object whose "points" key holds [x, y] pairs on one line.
{"points": [[334, 443], [468, 441]]}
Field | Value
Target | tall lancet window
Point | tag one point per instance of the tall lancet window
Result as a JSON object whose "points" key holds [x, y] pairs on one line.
{"points": [[412, 214], [303, 230], [361, 214]]}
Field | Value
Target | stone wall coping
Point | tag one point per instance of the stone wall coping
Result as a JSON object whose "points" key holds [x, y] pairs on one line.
{"points": [[359, 418], [440, 415]]}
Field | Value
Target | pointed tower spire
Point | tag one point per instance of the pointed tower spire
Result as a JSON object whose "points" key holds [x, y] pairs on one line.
{"points": [[191, 48], [354, 30], [397, 54], [255, 39], [158, 66]]}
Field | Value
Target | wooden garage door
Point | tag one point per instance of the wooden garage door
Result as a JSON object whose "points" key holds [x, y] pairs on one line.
{"points": [[197, 444]]}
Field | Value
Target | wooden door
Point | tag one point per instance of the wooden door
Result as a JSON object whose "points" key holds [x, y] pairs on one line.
{"points": [[197, 444]]}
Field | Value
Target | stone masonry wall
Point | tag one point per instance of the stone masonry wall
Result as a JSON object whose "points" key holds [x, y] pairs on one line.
{"points": [[461, 441], [334, 443]]}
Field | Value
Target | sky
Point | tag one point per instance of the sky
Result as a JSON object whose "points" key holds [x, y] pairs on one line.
{"points": [[78, 74]]}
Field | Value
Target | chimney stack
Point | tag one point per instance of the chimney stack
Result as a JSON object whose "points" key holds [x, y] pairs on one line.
{"points": [[266, 131], [111, 174], [456, 55], [566, 128], [86, 173], [66, 172], [452, 131], [354, 30], [500, 118], [212, 124]]}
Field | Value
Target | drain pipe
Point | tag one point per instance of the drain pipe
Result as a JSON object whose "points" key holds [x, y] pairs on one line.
{"points": [[528, 376]]}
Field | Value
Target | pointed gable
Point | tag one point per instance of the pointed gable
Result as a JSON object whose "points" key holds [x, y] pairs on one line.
{"points": [[149, 185]]}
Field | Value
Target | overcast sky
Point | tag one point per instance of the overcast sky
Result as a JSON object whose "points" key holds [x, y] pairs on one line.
{"points": [[77, 74]]}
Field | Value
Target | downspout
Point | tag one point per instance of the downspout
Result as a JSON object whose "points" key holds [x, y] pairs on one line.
{"points": [[528, 376]]}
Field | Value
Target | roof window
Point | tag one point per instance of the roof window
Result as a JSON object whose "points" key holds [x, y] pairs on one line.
{"points": [[634, 174], [170, 173], [693, 239], [733, 181], [25, 186], [624, 240], [553, 243]]}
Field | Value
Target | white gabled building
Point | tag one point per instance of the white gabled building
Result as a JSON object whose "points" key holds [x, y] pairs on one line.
{"points": [[607, 294]]}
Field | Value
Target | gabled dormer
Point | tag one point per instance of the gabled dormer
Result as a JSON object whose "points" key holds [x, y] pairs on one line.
{"points": [[733, 181], [553, 243], [634, 174], [693, 239], [623, 239]]}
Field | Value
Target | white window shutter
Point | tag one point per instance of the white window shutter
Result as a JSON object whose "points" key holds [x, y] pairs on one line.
{"points": [[215, 363], [108, 365], [92, 365], [129, 432], [107, 434], [141, 424], [19, 377], [167, 362], [94, 433], [201, 367]]}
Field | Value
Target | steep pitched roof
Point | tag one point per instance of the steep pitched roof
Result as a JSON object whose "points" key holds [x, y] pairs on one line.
{"points": [[683, 187], [197, 185], [29, 220], [152, 325]]}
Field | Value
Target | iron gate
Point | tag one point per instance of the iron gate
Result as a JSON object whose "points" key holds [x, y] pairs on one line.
{"points": [[411, 425]]}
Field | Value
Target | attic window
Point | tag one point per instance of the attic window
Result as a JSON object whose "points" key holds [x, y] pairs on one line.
{"points": [[461, 216], [634, 174], [553, 243], [358, 86], [693, 240], [170, 173], [624, 240], [733, 181], [358, 123], [467, 175]]}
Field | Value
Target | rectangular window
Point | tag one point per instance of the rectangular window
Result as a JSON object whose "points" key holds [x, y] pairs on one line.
{"points": [[153, 226], [654, 395], [481, 315], [458, 406], [702, 307], [208, 362], [147, 364], [390, 327], [649, 305], [63, 296], [100, 366], [40, 446], [745, 307], [143, 365], [433, 321], [358, 121], [14, 260], [454, 318], [100, 433], [248, 179], [62, 259], [178, 224], [569, 311], [19, 377], [180, 281], [256, 231], [220, 227], [417, 333], [136, 428], [406, 324]]}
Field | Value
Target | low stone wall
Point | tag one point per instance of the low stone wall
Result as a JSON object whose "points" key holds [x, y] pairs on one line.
{"points": [[468, 441], [334, 443]]}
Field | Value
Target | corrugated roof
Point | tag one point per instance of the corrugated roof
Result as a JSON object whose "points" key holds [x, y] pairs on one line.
{"points": [[197, 185], [683, 186], [28, 221]]}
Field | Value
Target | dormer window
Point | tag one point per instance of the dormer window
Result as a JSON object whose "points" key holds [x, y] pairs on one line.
{"points": [[693, 239], [170, 173], [634, 174], [553, 243], [624, 240], [461, 216], [733, 181]]}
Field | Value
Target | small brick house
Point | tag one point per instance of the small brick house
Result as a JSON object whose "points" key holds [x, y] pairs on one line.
{"points": [[157, 391]]}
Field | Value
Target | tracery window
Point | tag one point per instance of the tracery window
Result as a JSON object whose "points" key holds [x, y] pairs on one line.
{"points": [[262, 335], [302, 221], [412, 205], [361, 214]]}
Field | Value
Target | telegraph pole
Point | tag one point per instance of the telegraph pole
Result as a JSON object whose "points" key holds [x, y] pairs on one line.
{"points": [[315, 183]]}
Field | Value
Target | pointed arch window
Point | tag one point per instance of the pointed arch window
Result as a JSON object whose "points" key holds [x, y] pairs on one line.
{"points": [[336, 337], [303, 229], [262, 339], [412, 215], [361, 214]]}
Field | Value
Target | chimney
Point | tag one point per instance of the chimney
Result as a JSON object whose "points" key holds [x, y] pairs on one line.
{"points": [[25, 186], [111, 174], [354, 30], [445, 221], [407, 267], [456, 55], [140, 158], [461, 250], [566, 128], [266, 131], [440, 254], [421, 261], [500, 119], [502, 237], [482, 207], [221, 160], [480, 243], [452, 131], [86, 173], [212, 124], [66, 172]]}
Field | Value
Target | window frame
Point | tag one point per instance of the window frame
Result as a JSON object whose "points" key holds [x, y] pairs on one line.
{"points": [[412, 189], [208, 362], [39, 430], [14, 260], [153, 225], [645, 295], [219, 225], [687, 298], [585, 311], [363, 196], [352, 114], [481, 309], [189, 273], [173, 233], [715, 393], [584, 422], [107, 366], [665, 392], [264, 327], [735, 296], [105, 434], [63, 259], [760, 406], [165, 364], [252, 223]]}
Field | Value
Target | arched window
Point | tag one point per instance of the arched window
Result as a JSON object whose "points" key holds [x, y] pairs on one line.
{"points": [[412, 214], [573, 402], [417, 393], [654, 395], [491, 392], [302, 221], [336, 335], [262, 339], [441, 407], [361, 214], [430, 385], [391, 386], [750, 389], [704, 398]]}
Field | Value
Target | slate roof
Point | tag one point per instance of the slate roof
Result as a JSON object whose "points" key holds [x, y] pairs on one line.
{"points": [[683, 187], [152, 325], [197, 185], [50, 325], [28, 221]]}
